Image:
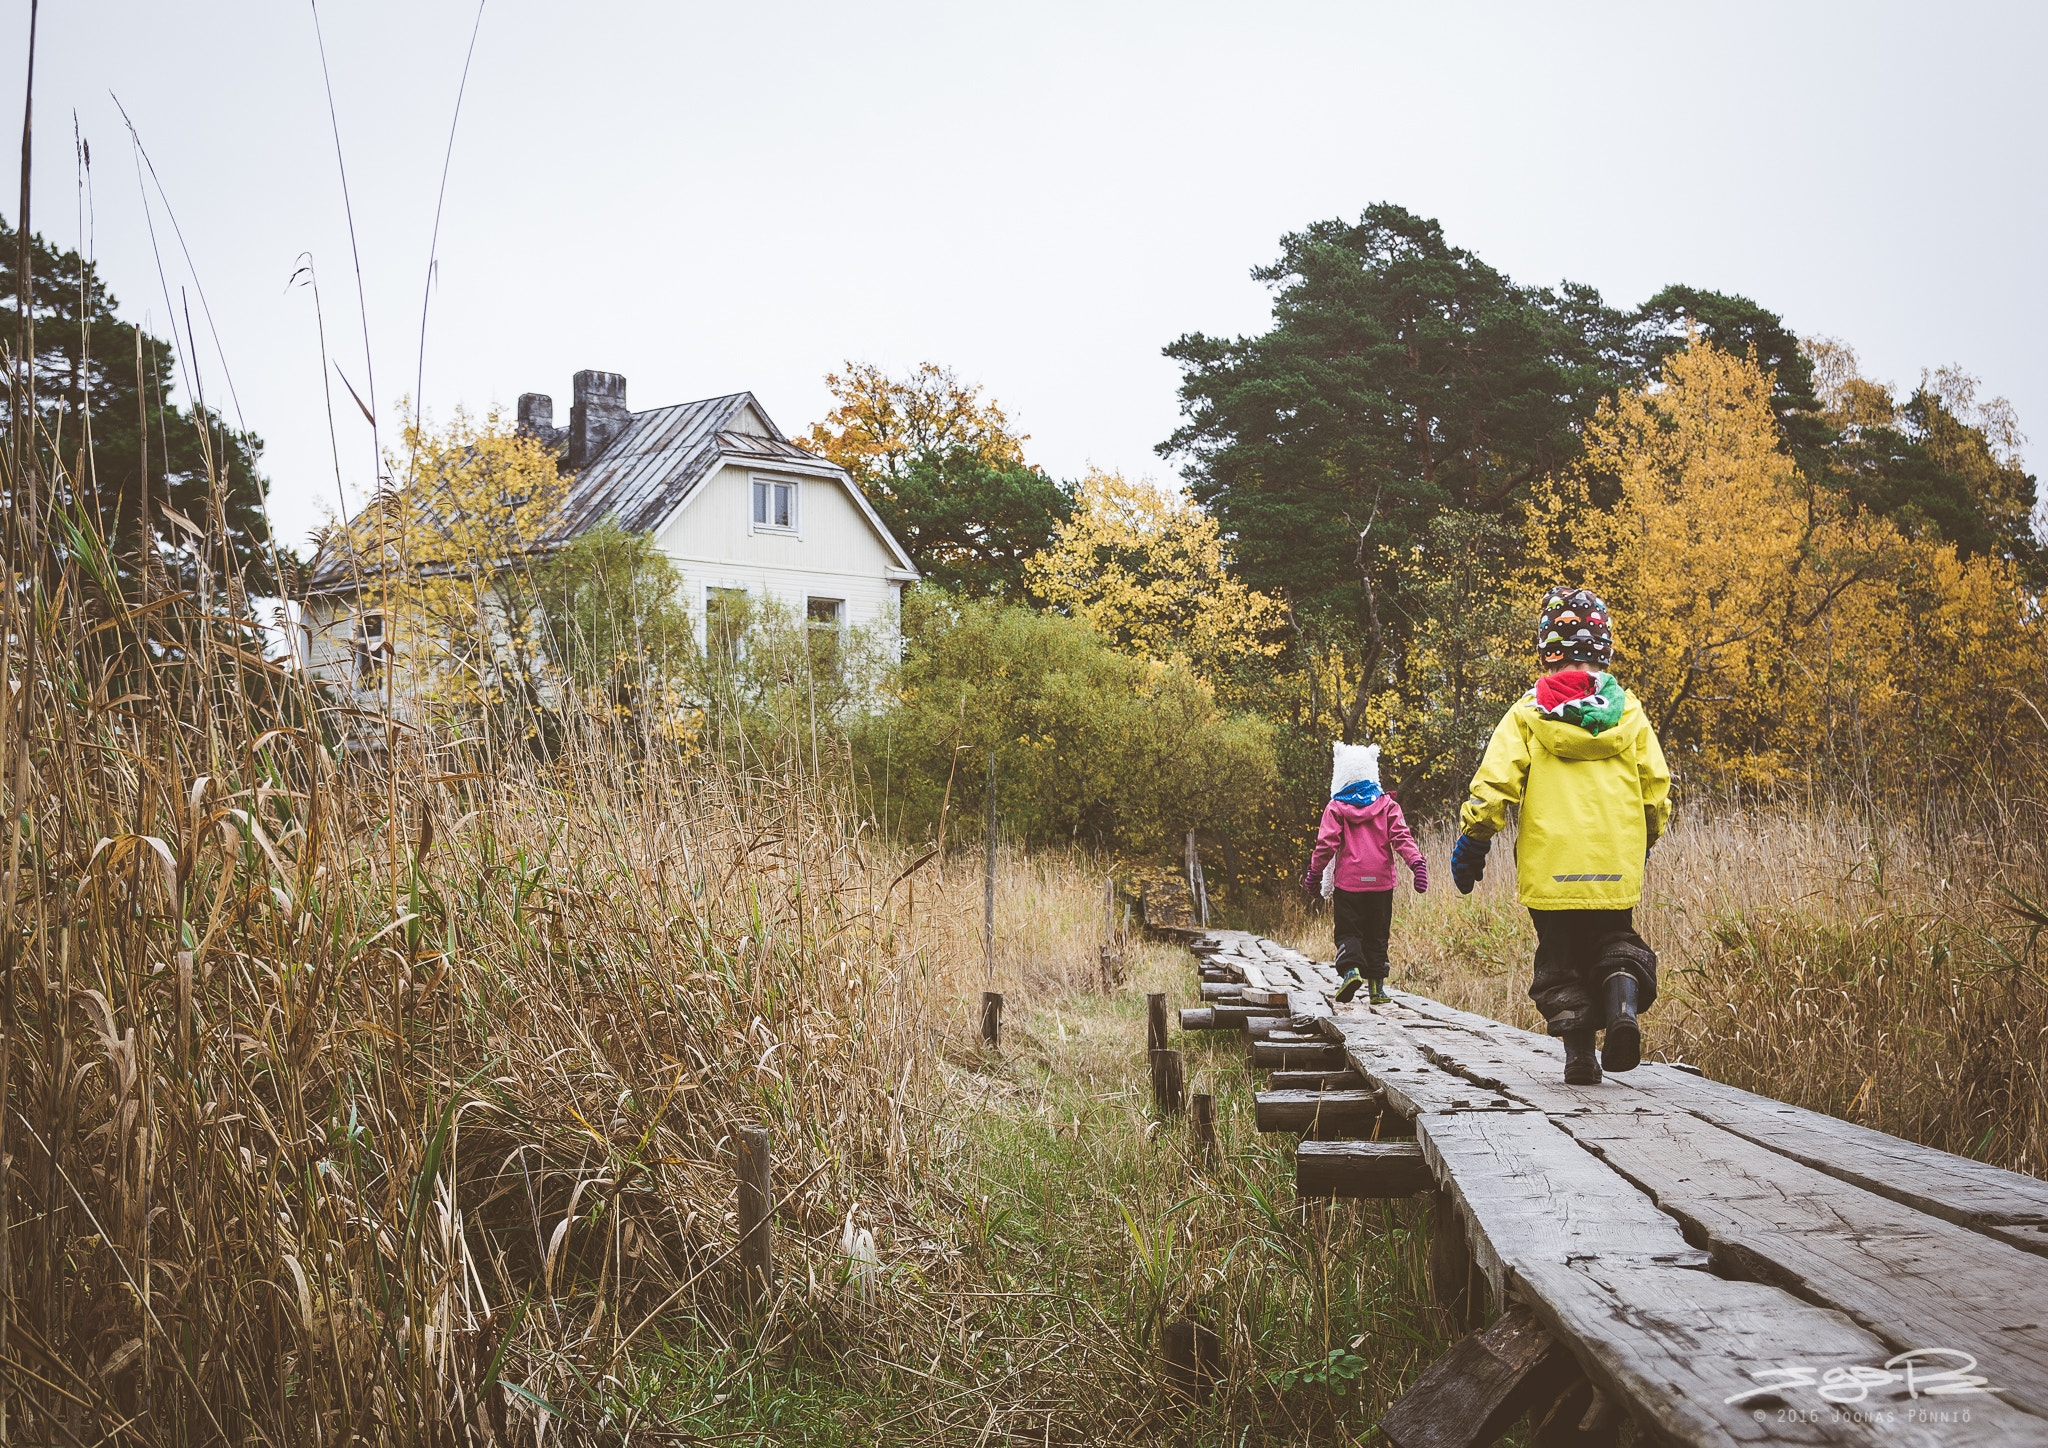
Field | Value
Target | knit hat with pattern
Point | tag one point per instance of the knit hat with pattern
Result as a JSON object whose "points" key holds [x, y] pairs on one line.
{"points": [[1573, 628]]}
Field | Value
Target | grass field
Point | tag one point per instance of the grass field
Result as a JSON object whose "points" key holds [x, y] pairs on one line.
{"points": [[392, 1092]]}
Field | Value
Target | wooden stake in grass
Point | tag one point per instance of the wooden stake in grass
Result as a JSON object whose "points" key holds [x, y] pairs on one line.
{"points": [[1168, 1083], [988, 885], [757, 1225], [1202, 1125], [992, 1019], [1190, 1359], [1155, 1021]]}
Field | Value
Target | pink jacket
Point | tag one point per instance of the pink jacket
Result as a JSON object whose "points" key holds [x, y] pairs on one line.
{"points": [[1364, 839]]}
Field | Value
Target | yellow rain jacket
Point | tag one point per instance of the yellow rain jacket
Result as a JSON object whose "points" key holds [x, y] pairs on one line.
{"points": [[1592, 804]]}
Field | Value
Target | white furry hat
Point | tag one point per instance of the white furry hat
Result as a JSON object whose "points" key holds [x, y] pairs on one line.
{"points": [[1349, 763]]}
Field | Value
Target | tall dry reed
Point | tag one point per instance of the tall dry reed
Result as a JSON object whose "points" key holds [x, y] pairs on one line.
{"points": [[388, 1092]]}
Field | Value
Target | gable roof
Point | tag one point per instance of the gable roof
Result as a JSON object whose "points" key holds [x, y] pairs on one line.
{"points": [[650, 469], [656, 461]]}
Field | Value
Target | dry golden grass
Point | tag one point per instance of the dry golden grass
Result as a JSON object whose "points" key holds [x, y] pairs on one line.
{"points": [[1879, 969], [391, 1096]]}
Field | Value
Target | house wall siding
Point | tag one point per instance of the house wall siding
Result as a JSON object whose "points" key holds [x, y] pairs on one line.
{"points": [[834, 553]]}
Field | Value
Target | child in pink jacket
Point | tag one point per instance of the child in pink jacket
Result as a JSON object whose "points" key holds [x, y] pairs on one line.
{"points": [[1362, 830]]}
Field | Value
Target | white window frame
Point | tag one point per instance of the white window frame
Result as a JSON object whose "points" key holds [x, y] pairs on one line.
{"points": [[711, 589], [757, 481]]}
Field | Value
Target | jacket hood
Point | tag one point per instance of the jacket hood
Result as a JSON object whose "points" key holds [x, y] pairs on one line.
{"points": [[1569, 741], [1353, 814]]}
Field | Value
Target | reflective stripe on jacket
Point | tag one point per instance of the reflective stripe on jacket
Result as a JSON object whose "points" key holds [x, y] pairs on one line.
{"points": [[1591, 804]]}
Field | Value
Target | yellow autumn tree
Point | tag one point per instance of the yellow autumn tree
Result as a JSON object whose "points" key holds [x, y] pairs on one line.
{"points": [[1694, 549], [1768, 624], [1150, 571], [880, 424], [450, 555]]}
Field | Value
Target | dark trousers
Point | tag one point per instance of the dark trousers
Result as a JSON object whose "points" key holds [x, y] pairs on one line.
{"points": [[1364, 920], [1576, 950]]}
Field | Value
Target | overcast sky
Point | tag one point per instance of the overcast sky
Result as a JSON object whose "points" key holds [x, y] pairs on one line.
{"points": [[709, 198]]}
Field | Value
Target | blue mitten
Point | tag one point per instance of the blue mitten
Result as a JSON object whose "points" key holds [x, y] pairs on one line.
{"points": [[1468, 862]]}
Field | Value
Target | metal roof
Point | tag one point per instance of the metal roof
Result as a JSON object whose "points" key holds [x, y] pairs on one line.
{"points": [[650, 467]]}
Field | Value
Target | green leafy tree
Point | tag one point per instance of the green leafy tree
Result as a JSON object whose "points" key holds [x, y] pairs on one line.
{"points": [[970, 523], [946, 472], [1402, 376], [616, 624], [1092, 746], [119, 449], [1941, 463], [1735, 324]]}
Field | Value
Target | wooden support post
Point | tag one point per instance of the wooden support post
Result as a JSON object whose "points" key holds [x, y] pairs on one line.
{"points": [[1202, 1122], [1452, 1274], [1168, 1083], [1472, 1394], [756, 1203], [1155, 1021], [1220, 991], [1190, 1359], [988, 880], [1582, 1417], [1372, 1170], [992, 1019]]}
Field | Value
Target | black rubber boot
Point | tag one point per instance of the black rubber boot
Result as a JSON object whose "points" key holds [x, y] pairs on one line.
{"points": [[1580, 1068], [1622, 1050]]}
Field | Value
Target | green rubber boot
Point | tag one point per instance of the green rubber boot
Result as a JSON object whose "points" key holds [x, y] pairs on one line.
{"points": [[1379, 996], [1348, 987]]}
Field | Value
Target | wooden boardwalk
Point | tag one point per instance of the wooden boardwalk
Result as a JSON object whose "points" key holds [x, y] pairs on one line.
{"points": [[1718, 1267]]}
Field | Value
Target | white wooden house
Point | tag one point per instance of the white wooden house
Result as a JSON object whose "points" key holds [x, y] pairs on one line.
{"points": [[726, 495]]}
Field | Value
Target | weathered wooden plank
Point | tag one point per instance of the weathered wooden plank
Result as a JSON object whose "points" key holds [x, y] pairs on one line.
{"points": [[1694, 1358], [1344, 1080], [1472, 1394], [1678, 1346], [1234, 1017], [1267, 1056], [1326, 1111], [1527, 1192], [1308, 1005], [1990, 1200], [1370, 1169], [1914, 1279], [1394, 1062]]}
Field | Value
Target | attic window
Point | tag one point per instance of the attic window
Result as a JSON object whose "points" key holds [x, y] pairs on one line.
{"points": [[774, 505]]}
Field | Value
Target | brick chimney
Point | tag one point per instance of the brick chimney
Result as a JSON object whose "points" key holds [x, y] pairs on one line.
{"points": [[537, 419], [597, 415]]}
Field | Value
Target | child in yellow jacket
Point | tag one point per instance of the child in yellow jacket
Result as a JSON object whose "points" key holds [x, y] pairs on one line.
{"points": [[1579, 758]]}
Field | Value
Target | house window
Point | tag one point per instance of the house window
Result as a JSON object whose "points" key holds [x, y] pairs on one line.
{"points": [[370, 647], [774, 506], [725, 621], [822, 620]]}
